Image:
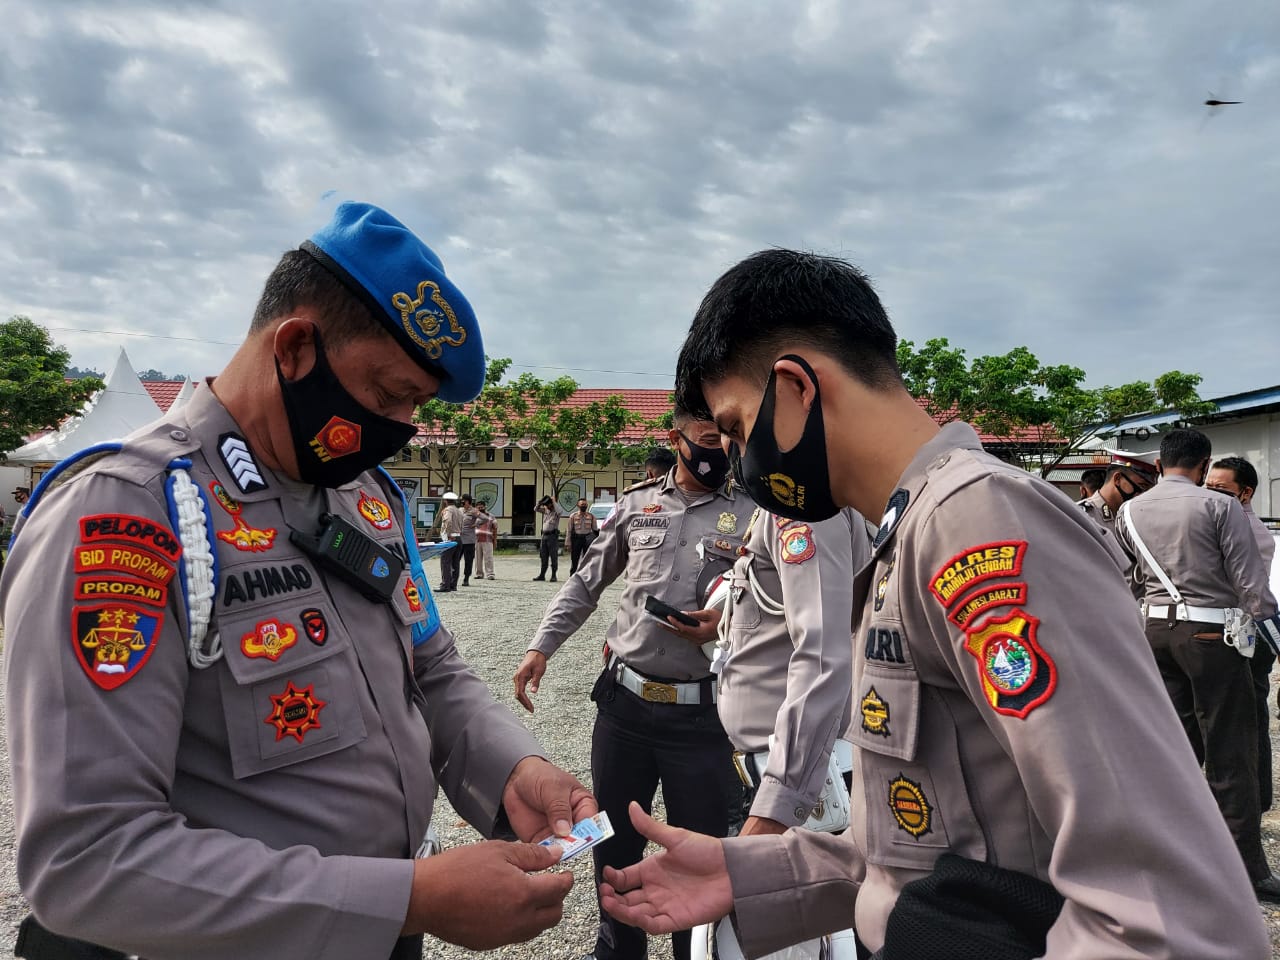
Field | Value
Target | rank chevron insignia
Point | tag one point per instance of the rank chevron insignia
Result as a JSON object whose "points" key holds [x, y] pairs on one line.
{"points": [[236, 455]]}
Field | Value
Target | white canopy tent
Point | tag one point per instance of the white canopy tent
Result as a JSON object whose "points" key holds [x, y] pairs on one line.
{"points": [[114, 412], [183, 396]]}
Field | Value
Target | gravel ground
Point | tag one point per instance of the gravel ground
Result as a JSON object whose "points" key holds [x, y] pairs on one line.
{"points": [[493, 620]]}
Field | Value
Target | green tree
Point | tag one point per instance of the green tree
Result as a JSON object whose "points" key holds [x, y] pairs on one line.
{"points": [[1045, 413], [34, 392], [538, 412], [458, 429]]}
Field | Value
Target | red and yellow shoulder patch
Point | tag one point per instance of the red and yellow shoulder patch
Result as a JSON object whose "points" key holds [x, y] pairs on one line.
{"points": [[987, 598], [122, 562], [1017, 674], [977, 565], [112, 642], [375, 511], [797, 544]]}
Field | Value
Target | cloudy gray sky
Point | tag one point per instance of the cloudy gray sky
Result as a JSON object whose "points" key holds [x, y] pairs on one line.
{"points": [[1008, 172]]}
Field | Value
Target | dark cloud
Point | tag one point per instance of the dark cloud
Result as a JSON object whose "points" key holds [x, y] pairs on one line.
{"points": [[1009, 173]]}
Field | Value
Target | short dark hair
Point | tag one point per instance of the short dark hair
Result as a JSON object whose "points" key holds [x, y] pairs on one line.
{"points": [[1184, 448], [661, 459], [466, 498], [778, 298], [299, 280], [1243, 470], [1092, 480]]}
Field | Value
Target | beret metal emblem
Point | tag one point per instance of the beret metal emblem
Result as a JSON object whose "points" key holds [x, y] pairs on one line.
{"points": [[423, 324]]}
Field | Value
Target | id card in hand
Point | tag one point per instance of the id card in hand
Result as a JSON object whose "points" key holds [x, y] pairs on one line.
{"points": [[585, 835]]}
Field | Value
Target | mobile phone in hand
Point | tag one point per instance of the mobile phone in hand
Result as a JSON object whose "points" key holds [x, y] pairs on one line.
{"points": [[662, 610]]}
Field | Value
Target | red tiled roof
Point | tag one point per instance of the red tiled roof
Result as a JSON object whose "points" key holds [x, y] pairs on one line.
{"points": [[163, 392], [649, 404], [1021, 435]]}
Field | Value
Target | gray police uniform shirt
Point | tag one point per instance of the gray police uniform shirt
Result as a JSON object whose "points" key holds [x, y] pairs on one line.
{"points": [[451, 522], [1261, 533], [268, 805], [654, 539], [551, 518], [1007, 708], [1098, 508], [1203, 541], [788, 676], [469, 526]]}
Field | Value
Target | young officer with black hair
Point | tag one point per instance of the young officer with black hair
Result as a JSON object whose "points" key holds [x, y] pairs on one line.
{"points": [[1027, 749]]}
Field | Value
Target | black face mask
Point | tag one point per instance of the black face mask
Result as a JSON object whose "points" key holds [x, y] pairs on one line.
{"points": [[1132, 491], [709, 465], [794, 484], [335, 438]]}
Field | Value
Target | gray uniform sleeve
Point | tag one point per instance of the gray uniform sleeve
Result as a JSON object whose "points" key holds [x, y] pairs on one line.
{"points": [[1104, 728], [93, 770], [577, 599], [818, 598], [1243, 562], [475, 741], [791, 887]]}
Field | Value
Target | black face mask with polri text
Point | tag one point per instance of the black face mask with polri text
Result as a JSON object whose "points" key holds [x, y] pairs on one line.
{"points": [[794, 484]]}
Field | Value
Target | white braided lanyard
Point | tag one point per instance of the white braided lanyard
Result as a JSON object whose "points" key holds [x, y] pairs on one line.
{"points": [[198, 568]]}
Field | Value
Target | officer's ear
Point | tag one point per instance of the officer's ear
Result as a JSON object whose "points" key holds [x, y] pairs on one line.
{"points": [[294, 344]]}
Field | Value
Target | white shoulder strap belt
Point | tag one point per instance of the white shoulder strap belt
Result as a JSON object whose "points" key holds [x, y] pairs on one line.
{"points": [[1182, 610]]}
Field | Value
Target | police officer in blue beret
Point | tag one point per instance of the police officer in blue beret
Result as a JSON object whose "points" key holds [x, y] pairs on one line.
{"points": [[230, 695]]}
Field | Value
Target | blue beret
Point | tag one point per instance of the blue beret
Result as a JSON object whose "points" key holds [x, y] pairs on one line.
{"points": [[401, 280]]}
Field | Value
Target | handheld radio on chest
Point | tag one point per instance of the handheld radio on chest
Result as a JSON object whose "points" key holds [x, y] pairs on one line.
{"points": [[353, 556]]}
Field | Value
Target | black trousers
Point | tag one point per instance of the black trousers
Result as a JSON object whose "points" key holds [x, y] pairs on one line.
{"points": [[449, 561], [1212, 690], [549, 552], [467, 559], [635, 746], [578, 543], [1260, 667]]}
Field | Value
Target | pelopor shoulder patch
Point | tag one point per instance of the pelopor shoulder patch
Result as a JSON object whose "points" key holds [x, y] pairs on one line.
{"points": [[1017, 674], [975, 565]]}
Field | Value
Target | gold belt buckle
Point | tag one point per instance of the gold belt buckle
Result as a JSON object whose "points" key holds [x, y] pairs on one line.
{"points": [[656, 692], [740, 765]]}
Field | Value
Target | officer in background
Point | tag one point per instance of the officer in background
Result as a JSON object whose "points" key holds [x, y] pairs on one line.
{"points": [[1199, 544], [1237, 478], [230, 698], [784, 660], [656, 716], [1128, 475], [549, 544], [583, 529], [450, 529], [657, 464], [467, 539], [1091, 480], [1020, 696]]}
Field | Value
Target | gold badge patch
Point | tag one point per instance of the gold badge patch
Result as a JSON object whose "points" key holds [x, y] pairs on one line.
{"points": [[910, 807], [875, 714], [727, 523], [425, 323]]}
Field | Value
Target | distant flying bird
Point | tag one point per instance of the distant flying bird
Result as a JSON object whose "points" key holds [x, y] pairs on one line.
{"points": [[1215, 106]]}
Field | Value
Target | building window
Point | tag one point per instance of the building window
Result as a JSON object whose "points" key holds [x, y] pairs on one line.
{"points": [[490, 455], [424, 454], [506, 455], [524, 456], [589, 456], [406, 455]]}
